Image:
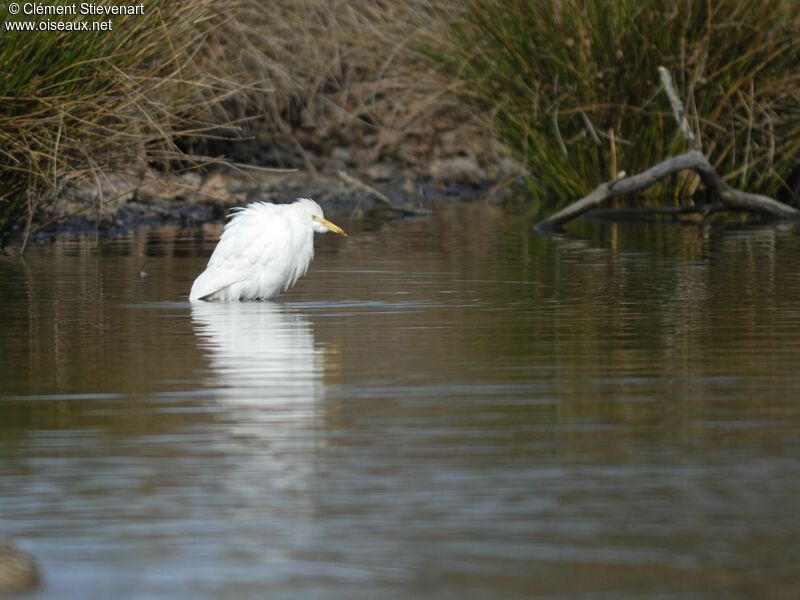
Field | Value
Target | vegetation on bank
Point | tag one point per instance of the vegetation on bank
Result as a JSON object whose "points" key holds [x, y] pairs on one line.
{"points": [[198, 77], [569, 87], [73, 103]]}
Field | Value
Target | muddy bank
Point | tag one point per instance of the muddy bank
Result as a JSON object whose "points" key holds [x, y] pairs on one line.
{"points": [[128, 201]]}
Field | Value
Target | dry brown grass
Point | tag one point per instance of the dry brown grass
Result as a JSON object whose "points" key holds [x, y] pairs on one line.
{"points": [[344, 74], [75, 104]]}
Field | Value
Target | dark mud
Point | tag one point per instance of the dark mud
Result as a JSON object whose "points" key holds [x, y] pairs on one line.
{"points": [[127, 203]]}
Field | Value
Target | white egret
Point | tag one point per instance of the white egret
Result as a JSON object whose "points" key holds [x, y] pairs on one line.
{"points": [[264, 249]]}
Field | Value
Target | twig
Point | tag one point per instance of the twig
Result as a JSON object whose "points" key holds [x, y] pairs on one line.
{"points": [[677, 109], [613, 150], [561, 143], [380, 196], [304, 155], [55, 151], [750, 117], [29, 222], [590, 127]]}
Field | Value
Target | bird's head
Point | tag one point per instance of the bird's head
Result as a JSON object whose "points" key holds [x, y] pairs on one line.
{"points": [[318, 222]]}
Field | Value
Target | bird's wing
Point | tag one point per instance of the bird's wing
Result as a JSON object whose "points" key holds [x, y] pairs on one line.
{"points": [[254, 238]]}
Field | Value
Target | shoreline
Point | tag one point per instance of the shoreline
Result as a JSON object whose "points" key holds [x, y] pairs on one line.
{"points": [[129, 202]]}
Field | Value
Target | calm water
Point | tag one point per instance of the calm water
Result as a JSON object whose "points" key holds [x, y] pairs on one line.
{"points": [[443, 408]]}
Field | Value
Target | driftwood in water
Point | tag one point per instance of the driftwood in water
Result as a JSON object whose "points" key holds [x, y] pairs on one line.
{"points": [[694, 160]]}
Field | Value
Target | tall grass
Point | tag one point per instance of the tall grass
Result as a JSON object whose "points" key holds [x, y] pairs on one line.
{"points": [[73, 103], [341, 72], [571, 86]]}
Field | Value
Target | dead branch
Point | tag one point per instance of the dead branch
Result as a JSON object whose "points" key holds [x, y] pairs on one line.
{"points": [[693, 160]]}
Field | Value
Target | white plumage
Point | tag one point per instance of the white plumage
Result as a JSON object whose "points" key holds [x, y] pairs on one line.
{"points": [[264, 249]]}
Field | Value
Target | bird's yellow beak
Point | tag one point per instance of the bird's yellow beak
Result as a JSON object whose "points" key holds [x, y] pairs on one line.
{"points": [[330, 226]]}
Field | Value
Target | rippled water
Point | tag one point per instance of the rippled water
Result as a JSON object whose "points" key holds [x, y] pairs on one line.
{"points": [[447, 407]]}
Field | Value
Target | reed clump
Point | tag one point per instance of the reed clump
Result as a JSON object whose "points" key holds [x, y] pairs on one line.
{"points": [[74, 103], [571, 87]]}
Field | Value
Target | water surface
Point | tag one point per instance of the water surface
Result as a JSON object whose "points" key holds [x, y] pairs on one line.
{"points": [[446, 407]]}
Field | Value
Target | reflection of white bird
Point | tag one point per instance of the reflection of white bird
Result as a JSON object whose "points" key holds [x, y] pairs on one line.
{"points": [[264, 351], [268, 374], [264, 250]]}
